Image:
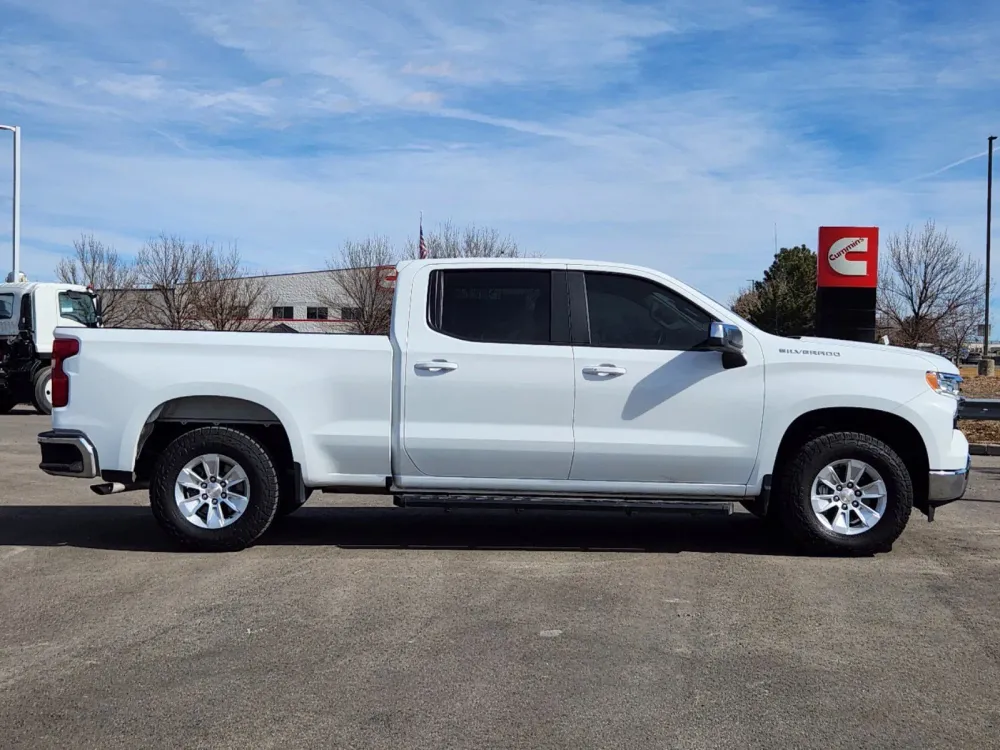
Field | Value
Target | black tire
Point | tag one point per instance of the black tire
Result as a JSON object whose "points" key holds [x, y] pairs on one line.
{"points": [[7, 402], [262, 478], [42, 383], [794, 486]]}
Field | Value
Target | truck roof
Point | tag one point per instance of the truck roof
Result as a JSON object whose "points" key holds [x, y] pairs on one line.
{"points": [[30, 286], [547, 262], [527, 262]]}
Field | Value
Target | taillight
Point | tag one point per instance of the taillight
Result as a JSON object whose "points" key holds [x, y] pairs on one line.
{"points": [[62, 349]]}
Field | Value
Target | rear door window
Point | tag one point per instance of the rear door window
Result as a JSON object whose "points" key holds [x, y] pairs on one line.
{"points": [[493, 305]]}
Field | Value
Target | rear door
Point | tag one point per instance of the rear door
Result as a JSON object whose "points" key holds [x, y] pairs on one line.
{"points": [[488, 375]]}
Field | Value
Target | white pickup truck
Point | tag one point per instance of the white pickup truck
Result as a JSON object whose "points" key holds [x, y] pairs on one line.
{"points": [[522, 383]]}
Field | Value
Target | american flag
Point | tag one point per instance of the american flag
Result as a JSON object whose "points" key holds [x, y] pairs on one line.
{"points": [[423, 245]]}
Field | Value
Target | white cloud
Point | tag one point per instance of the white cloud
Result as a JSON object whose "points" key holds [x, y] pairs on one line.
{"points": [[438, 70]]}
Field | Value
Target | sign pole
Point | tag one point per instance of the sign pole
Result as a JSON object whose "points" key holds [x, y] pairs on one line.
{"points": [[989, 216]]}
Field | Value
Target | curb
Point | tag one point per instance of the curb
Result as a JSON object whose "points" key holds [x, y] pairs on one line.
{"points": [[984, 449]]}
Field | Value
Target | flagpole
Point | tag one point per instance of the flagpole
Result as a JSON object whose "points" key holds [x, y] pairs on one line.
{"points": [[423, 245]]}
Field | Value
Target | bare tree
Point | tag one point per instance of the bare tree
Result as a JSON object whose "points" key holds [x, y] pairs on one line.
{"points": [[746, 303], [168, 268], [360, 269], [226, 298], [928, 286], [471, 242], [958, 330], [884, 327], [100, 266]]}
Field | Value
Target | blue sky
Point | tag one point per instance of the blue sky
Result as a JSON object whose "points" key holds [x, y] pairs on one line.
{"points": [[670, 134]]}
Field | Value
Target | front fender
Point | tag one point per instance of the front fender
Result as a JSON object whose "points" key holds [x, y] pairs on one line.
{"points": [[777, 422]]}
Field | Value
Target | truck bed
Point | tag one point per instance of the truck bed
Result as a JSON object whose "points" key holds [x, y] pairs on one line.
{"points": [[332, 393]]}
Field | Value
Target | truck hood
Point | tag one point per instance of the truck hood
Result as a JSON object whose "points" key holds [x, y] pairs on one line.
{"points": [[914, 357]]}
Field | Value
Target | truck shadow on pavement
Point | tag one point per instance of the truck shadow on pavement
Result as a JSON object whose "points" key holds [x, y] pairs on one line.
{"points": [[132, 528]]}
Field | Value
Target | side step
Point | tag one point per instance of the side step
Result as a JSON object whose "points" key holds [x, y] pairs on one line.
{"points": [[527, 502]]}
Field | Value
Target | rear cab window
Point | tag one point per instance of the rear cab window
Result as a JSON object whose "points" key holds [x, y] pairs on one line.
{"points": [[6, 306], [503, 306]]}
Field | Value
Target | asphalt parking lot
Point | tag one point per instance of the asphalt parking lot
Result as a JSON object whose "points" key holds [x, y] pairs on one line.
{"points": [[354, 624]]}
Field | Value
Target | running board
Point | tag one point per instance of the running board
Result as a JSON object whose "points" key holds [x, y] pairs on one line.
{"points": [[527, 502]]}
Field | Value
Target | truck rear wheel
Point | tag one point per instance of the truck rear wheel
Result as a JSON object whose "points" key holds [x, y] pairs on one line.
{"points": [[215, 489], [42, 397], [845, 492], [7, 401]]}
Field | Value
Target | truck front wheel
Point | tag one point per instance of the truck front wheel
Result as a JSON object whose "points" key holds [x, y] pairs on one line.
{"points": [[215, 489], [844, 492]]}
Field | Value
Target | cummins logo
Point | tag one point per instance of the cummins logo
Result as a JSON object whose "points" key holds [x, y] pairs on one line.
{"points": [[839, 261], [817, 352]]}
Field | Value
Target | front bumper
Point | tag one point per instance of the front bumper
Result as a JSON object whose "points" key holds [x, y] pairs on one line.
{"points": [[68, 453], [948, 486]]}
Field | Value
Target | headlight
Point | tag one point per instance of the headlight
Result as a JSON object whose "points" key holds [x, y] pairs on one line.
{"points": [[944, 382]]}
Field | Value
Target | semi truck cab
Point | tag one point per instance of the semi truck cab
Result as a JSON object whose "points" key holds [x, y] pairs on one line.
{"points": [[30, 311]]}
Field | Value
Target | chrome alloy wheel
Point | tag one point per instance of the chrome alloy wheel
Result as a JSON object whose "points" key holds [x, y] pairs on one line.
{"points": [[848, 497], [212, 491]]}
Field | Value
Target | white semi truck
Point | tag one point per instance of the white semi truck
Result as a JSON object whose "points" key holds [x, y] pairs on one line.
{"points": [[29, 314]]}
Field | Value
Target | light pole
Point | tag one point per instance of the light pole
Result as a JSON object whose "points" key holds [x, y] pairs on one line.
{"points": [[16, 218], [989, 218]]}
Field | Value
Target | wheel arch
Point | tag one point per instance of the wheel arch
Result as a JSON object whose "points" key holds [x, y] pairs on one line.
{"points": [[895, 431], [179, 415]]}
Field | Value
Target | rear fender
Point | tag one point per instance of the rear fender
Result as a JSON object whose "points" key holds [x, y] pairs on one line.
{"points": [[159, 405]]}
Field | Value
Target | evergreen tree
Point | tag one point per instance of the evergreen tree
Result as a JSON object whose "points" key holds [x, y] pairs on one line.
{"points": [[784, 302]]}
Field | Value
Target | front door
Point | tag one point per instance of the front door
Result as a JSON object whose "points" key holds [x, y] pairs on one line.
{"points": [[649, 407], [488, 377]]}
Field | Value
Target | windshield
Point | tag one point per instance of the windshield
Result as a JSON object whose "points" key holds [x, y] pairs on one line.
{"points": [[6, 306], [78, 306]]}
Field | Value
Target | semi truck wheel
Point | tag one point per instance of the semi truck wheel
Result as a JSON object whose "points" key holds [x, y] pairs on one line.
{"points": [[845, 492], [42, 397], [215, 489]]}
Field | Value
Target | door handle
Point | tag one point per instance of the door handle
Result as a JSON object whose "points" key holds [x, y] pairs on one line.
{"points": [[437, 365], [609, 370]]}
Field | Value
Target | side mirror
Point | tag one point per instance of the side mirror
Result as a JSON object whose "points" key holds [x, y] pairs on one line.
{"points": [[723, 337], [728, 339]]}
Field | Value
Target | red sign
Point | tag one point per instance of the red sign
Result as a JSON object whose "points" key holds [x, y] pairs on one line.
{"points": [[847, 256]]}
